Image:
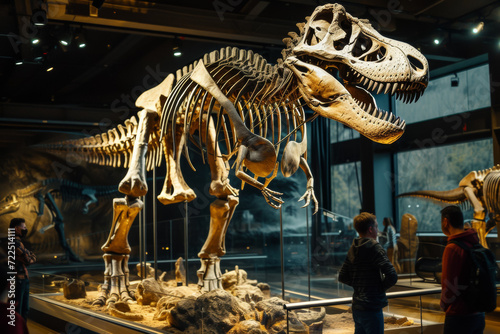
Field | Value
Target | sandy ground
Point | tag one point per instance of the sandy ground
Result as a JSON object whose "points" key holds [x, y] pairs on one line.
{"points": [[333, 323]]}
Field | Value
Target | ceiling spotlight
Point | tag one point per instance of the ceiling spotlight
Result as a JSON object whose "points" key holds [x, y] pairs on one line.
{"points": [[436, 41], [455, 81], [18, 59], [65, 38], [478, 27], [39, 17], [35, 41], [80, 40], [50, 69], [176, 48]]}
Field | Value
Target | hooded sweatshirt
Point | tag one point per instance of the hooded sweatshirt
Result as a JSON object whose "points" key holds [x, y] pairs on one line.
{"points": [[368, 270], [456, 273]]}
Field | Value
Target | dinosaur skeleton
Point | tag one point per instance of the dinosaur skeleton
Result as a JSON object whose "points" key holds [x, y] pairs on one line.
{"points": [[481, 189], [43, 191], [232, 105]]}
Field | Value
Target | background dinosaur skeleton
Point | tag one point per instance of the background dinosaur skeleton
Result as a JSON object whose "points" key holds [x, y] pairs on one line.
{"points": [[481, 189], [232, 104]]}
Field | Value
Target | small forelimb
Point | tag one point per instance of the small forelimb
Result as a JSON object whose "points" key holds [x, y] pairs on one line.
{"points": [[270, 198], [309, 194], [269, 194]]}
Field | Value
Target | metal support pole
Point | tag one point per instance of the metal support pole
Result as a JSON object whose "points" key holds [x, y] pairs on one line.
{"points": [[141, 246], [308, 245], [186, 221], [421, 323], [155, 226], [282, 257], [144, 225], [409, 250]]}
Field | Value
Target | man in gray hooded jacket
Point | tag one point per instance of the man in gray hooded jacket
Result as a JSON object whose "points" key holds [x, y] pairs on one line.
{"points": [[368, 270]]}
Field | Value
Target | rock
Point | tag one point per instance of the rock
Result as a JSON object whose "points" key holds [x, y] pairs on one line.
{"points": [[122, 310], [150, 272], [183, 315], [180, 272], [74, 289], [248, 293], [310, 316], [273, 317], [266, 289], [219, 311], [248, 327], [316, 328], [233, 278], [216, 312], [148, 291], [172, 297]]}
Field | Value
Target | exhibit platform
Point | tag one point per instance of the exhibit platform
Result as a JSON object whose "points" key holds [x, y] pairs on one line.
{"points": [[66, 318]]}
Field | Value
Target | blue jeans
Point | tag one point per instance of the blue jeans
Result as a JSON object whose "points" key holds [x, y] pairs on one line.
{"points": [[23, 297], [466, 324], [368, 322]]}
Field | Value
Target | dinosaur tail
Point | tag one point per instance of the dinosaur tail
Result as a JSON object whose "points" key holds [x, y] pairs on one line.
{"points": [[455, 196]]}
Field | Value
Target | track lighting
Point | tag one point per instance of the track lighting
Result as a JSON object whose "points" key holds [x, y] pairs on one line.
{"points": [[176, 48], [80, 40], [65, 37], [39, 17], [478, 27], [18, 59]]}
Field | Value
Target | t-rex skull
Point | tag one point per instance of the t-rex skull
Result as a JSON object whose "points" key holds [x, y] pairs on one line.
{"points": [[334, 45]]}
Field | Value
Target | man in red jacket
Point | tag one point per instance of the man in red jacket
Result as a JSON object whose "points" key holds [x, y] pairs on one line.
{"points": [[456, 274]]}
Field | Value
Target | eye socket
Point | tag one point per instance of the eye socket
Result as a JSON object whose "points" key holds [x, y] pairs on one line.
{"points": [[319, 27], [415, 63], [362, 45]]}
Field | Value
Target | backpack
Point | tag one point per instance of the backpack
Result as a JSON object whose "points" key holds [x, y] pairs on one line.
{"points": [[481, 294]]}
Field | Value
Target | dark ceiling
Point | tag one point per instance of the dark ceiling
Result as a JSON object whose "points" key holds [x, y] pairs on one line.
{"points": [[129, 49]]}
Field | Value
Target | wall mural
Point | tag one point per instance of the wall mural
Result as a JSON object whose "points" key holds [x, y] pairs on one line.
{"points": [[60, 209]]}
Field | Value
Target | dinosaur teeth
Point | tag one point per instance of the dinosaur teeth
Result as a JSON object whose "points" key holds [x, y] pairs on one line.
{"points": [[370, 85], [380, 87], [419, 94], [387, 87], [394, 87], [385, 116]]}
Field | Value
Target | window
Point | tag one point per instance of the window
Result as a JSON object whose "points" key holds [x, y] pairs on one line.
{"points": [[441, 99], [438, 168], [346, 189]]}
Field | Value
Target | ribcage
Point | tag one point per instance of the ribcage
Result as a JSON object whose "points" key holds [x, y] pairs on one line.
{"points": [[491, 191]]}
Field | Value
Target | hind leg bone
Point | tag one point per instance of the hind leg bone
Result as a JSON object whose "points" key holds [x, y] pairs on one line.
{"points": [[175, 188]]}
